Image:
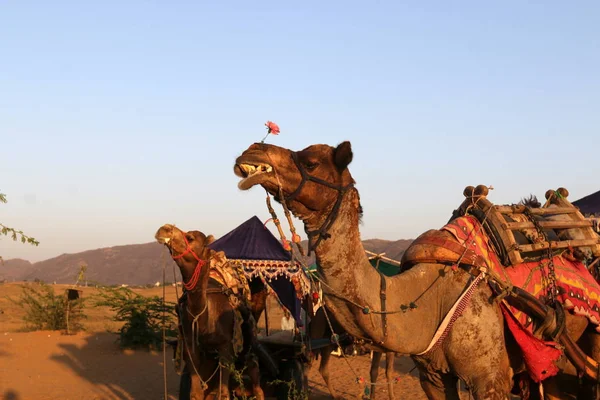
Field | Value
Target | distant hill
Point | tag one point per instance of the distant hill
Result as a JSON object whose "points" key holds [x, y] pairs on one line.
{"points": [[136, 264], [15, 269]]}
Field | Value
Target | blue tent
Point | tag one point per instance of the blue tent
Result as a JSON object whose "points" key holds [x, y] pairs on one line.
{"points": [[589, 205], [251, 241], [261, 254]]}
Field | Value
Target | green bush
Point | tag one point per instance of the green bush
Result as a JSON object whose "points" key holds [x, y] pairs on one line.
{"points": [[142, 317], [45, 310]]}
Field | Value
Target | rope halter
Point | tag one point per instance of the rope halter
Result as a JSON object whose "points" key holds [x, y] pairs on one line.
{"points": [[193, 281], [322, 232]]}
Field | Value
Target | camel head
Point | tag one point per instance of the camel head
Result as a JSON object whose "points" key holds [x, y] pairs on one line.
{"points": [[177, 241], [310, 179]]}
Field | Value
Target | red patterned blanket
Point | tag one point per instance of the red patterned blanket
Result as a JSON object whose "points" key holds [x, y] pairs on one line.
{"points": [[578, 292]]}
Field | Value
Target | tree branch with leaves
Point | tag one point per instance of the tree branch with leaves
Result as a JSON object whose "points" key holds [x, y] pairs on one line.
{"points": [[14, 233]]}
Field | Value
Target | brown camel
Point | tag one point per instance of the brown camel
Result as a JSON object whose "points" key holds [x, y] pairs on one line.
{"points": [[318, 188], [213, 340]]}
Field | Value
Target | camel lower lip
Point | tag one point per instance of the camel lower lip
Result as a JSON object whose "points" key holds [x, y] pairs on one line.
{"points": [[252, 173], [253, 180]]}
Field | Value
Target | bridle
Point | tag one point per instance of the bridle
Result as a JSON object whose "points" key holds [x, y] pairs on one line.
{"points": [[193, 281], [322, 232]]}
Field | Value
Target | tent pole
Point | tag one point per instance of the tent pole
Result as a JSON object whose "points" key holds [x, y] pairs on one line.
{"points": [[267, 317]]}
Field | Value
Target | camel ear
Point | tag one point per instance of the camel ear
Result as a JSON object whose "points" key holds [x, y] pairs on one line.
{"points": [[210, 239], [342, 155]]}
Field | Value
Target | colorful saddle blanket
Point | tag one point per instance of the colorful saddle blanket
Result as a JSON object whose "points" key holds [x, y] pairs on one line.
{"points": [[578, 292]]}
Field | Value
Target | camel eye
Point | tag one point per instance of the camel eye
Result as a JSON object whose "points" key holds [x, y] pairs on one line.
{"points": [[310, 165]]}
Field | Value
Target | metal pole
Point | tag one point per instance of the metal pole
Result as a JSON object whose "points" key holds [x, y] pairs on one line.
{"points": [[68, 310]]}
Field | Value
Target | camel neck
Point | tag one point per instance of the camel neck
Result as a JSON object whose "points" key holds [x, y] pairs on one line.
{"points": [[350, 278], [197, 298], [342, 254]]}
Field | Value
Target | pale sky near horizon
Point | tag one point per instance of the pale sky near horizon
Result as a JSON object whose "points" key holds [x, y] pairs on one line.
{"points": [[118, 117]]}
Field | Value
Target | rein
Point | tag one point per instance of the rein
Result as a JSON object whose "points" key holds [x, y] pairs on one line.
{"points": [[193, 281], [322, 232]]}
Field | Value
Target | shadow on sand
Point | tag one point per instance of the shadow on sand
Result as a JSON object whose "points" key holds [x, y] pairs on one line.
{"points": [[119, 374], [10, 395], [346, 387]]}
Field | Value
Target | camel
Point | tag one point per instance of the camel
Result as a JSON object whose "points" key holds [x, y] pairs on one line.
{"points": [[318, 327], [318, 188], [213, 340]]}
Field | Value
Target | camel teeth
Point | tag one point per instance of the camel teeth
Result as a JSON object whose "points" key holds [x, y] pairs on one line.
{"points": [[253, 169]]}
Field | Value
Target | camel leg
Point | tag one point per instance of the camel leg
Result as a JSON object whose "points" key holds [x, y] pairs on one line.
{"points": [[375, 359], [307, 369], [552, 390], [196, 390], [476, 349], [438, 386], [494, 386], [254, 374], [389, 371], [224, 384], [324, 368], [590, 344]]}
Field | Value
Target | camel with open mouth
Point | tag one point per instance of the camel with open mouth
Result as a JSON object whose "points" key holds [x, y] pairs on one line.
{"points": [[318, 188], [216, 322]]}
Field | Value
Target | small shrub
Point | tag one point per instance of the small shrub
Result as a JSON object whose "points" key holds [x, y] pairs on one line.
{"points": [[142, 317], [45, 310]]}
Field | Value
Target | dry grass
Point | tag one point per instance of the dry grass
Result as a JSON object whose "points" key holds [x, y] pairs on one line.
{"points": [[100, 319]]}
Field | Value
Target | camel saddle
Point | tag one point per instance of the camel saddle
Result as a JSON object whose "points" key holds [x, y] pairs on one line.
{"points": [[530, 232], [229, 275], [439, 247]]}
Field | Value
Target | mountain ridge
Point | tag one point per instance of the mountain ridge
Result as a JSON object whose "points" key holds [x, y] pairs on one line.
{"points": [[133, 264]]}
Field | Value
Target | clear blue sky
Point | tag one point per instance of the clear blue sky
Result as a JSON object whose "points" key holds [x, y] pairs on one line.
{"points": [[119, 116]]}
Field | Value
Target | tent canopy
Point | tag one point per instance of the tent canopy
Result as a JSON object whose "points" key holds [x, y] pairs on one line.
{"points": [[251, 241], [589, 204], [262, 256]]}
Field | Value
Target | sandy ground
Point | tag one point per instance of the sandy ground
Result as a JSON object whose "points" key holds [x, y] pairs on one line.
{"points": [[90, 365], [48, 365]]}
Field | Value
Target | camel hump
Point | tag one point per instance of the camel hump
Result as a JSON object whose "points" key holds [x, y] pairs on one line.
{"points": [[438, 247]]}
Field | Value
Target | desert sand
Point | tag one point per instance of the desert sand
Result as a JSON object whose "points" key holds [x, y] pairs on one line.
{"points": [[48, 365]]}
